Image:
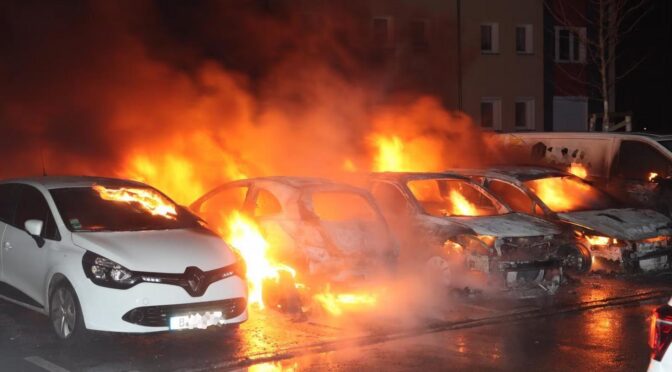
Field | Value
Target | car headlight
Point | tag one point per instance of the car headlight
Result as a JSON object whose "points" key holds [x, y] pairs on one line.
{"points": [[107, 273], [470, 244], [239, 267]]}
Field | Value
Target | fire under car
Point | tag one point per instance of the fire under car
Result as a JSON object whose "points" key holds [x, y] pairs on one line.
{"points": [[463, 236], [321, 232], [618, 238]]}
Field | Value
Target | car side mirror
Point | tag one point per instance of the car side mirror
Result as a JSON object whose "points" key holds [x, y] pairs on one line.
{"points": [[34, 228]]}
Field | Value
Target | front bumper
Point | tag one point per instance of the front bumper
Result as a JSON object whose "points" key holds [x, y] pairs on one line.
{"points": [[104, 308], [546, 274]]}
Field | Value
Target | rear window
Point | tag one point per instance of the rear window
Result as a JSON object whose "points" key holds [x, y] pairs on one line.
{"points": [[667, 144], [569, 194], [342, 206], [448, 197]]}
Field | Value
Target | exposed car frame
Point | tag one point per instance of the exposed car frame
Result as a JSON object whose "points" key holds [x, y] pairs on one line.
{"points": [[637, 238], [438, 236]]}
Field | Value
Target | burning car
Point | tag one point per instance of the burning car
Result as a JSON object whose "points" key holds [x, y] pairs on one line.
{"points": [[300, 232], [637, 239], [451, 224], [114, 255]]}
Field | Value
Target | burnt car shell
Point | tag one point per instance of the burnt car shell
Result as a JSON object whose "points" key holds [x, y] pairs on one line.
{"points": [[638, 239], [322, 250], [520, 248]]}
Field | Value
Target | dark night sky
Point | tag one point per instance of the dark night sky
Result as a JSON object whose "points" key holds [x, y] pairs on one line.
{"points": [[647, 92]]}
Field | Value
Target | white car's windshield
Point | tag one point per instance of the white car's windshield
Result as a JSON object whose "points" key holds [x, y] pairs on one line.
{"points": [[569, 194], [99, 208]]}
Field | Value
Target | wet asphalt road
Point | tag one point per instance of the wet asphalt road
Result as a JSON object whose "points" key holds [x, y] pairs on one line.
{"points": [[595, 325]]}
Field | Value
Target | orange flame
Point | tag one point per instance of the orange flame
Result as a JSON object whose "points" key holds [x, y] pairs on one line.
{"points": [[461, 206], [562, 193], [244, 235], [147, 199], [337, 304], [652, 176], [390, 156], [597, 240], [578, 170]]}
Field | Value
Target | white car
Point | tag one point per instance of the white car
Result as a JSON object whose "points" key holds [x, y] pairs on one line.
{"points": [[114, 255], [660, 339]]}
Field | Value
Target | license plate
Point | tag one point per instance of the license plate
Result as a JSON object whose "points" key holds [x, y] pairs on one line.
{"points": [[197, 320]]}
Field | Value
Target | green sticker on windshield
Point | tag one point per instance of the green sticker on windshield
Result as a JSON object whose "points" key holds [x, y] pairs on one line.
{"points": [[74, 222]]}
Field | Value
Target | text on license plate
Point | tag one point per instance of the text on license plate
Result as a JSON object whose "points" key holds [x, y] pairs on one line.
{"points": [[198, 320]]}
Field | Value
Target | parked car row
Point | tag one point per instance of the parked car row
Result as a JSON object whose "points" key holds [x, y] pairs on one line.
{"points": [[115, 255]]}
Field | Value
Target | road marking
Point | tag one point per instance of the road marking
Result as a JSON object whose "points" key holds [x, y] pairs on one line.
{"points": [[43, 363]]}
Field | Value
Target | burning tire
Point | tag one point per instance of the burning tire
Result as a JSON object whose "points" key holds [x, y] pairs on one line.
{"points": [[281, 294], [576, 258]]}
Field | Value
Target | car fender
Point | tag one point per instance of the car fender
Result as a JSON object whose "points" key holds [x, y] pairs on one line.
{"points": [[67, 265]]}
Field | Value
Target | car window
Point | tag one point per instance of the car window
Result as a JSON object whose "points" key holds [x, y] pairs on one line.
{"points": [[569, 194], [342, 206], [33, 206], [389, 198], [120, 208], [637, 160], [515, 198], [218, 207], [449, 197], [8, 199], [266, 204]]}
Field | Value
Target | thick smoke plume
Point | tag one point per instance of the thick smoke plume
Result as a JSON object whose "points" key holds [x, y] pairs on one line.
{"points": [[186, 96]]}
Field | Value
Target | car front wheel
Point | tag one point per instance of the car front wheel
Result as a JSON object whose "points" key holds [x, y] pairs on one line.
{"points": [[65, 313]]}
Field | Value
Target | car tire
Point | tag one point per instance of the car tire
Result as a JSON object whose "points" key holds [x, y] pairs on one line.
{"points": [[65, 314], [576, 258]]}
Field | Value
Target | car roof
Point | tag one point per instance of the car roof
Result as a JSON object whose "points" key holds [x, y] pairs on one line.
{"points": [[409, 176], [510, 172], [297, 183], [57, 182]]}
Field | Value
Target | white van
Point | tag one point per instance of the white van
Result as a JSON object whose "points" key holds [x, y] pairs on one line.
{"points": [[636, 168]]}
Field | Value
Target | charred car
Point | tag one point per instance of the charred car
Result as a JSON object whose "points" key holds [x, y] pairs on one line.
{"points": [[634, 239], [455, 227], [328, 233]]}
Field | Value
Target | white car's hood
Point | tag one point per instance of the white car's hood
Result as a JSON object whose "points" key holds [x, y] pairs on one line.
{"points": [[511, 225], [625, 224], [162, 251]]}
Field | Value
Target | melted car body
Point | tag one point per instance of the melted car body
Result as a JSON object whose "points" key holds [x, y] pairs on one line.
{"points": [[329, 232], [637, 239], [442, 216]]}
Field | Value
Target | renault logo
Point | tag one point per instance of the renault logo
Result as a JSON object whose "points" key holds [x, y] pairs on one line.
{"points": [[196, 281]]}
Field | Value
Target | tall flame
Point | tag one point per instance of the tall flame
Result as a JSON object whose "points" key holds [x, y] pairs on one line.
{"points": [[390, 156], [147, 199], [562, 193], [245, 236], [461, 206]]}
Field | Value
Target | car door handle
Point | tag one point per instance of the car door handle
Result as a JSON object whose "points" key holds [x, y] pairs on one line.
{"points": [[7, 246]]}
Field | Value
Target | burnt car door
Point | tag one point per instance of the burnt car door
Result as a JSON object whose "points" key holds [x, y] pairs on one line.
{"points": [[641, 177], [217, 206], [279, 225], [351, 228]]}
